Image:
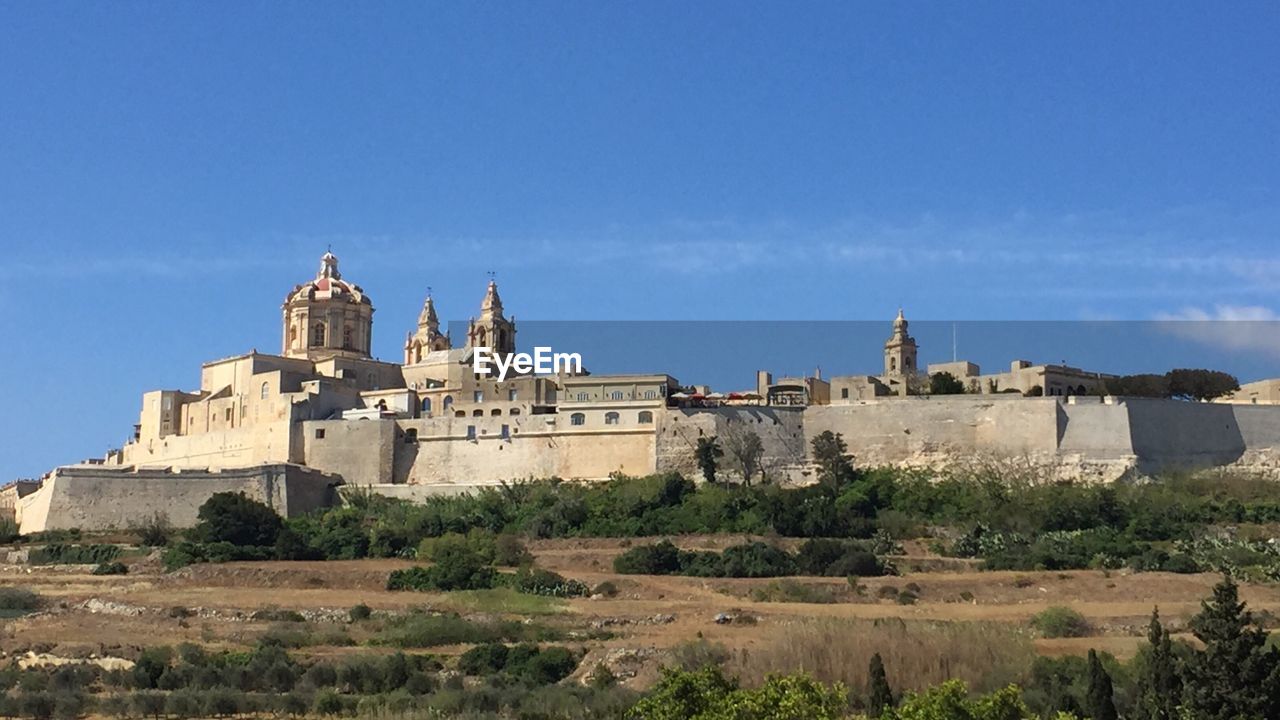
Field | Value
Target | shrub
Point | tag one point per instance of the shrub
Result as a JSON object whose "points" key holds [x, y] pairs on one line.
{"points": [[1060, 622], [236, 519], [60, 554], [111, 568], [155, 531], [420, 630], [483, 659], [756, 560], [360, 612], [535, 581], [662, 558], [19, 599], [508, 551], [606, 588]]}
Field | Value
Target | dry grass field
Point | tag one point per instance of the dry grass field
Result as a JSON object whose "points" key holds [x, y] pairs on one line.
{"points": [[966, 623]]}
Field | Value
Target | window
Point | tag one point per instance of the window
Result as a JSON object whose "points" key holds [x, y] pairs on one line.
{"points": [[615, 395], [471, 432], [346, 338], [584, 396], [478, 413], [373, 381], [577, 419], [410, 436], [317, 335], [893, 363], [448, 401], [511, 395], [262, 393], [650, 394], [426, 405], [477, 396], [319, 433], [506, 432], [293, 336], [229, 411], [844, 393], [513, 411], [495, 412], [645, 417], [611, 418], [460, 413]]}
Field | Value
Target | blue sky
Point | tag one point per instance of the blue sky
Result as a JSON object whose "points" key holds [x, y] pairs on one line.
{"points": [[168, 171]]}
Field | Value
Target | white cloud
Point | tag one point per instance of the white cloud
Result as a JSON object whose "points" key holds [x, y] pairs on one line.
{"points": [[1249, 328]]}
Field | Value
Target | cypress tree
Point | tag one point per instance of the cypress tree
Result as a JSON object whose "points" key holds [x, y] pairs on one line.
{"points": [[1159, 685], [879, 694], [1098, 699], [1236, 675]]}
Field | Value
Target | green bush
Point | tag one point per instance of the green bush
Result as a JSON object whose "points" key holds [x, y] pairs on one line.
{"points": [[111, 568], [535, 581], [422, 630], [1060, 622], [236, 519], [61, 554], [359, 612], [659, 559], [19, 599]]}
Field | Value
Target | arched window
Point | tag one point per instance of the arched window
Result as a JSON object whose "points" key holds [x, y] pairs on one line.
{"points": [[1081, 390], [448, 401], [262, 393], [346, 338], [477, 413], [893, 363], [495, 412], [460, 413], [293, 336], [480, 338], [611, 418], [410, 436], [645, 417], [426, 406], [317, 335], [577, 419]]}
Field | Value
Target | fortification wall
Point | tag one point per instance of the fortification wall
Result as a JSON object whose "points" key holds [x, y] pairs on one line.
{"points": [[921, 430], [97, 498], [267, 442], [476, 450], [781, 432]]}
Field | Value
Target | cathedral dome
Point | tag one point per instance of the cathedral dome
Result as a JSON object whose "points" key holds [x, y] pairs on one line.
{"points": [[327, 316], [328, 285]]}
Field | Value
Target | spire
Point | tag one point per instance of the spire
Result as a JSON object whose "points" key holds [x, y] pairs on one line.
{"points": [[428, 318], [492, 304], [900, 324], [329, 267]]}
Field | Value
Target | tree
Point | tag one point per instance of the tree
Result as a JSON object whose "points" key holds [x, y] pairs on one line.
{"points": [[1098, 699], [1143, 385], [1159, 687], [236, 519], [832, 457], [879, 694], [1201, 384], [944, 383], [746, 449], [1236, 675], [708, 453]]}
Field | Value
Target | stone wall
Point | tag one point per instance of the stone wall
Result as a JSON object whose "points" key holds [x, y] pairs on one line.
{"points": [[781, 432], [99, 498]]}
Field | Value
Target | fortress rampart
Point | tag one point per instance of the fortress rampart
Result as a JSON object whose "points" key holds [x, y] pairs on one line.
{"points": [[1084, 438]]}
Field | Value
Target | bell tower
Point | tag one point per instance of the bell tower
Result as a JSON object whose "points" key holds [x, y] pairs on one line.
{"points": [[427, 338], [492, 329], [900, 350]]}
